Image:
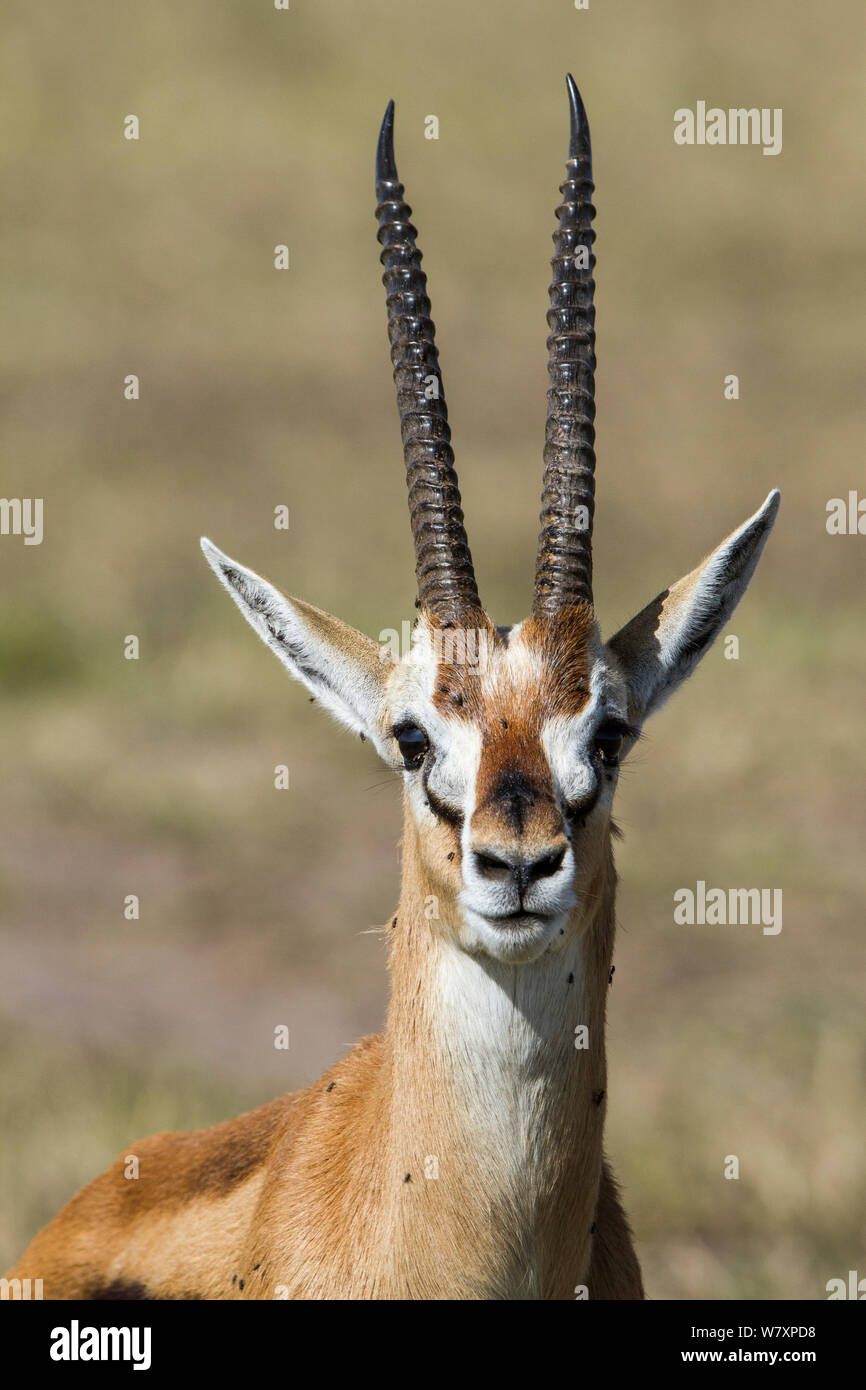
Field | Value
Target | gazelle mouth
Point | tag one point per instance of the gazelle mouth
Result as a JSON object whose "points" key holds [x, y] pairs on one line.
{"points": [[522, 914], [516, 924], [513, 938]]}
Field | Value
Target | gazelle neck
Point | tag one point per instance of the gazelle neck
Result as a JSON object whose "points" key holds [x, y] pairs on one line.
{"points": [[497, 1095]]}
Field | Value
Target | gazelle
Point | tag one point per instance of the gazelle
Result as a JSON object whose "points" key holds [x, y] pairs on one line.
{"points": [[459, 1154]]}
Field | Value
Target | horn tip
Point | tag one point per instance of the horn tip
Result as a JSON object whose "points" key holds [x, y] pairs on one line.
{"points": [[386, 168], [578, 145]]}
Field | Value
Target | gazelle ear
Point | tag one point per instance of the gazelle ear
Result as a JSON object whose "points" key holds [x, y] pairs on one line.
{"points": [[340, 666], [660, 647]]}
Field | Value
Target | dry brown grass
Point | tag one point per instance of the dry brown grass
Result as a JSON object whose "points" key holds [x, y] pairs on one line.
{"points": [[156, 777]]}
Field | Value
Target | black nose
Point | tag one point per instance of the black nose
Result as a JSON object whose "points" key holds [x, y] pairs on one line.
{"points": [[521, 872]]}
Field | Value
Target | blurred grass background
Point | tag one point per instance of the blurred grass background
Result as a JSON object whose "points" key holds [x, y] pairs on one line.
{"points": [[155, 777]]}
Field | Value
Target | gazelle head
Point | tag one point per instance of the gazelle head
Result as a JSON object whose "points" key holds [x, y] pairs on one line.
{"points": [[509, 739]]}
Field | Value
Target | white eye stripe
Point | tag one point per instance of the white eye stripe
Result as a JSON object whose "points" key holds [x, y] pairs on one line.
{"points": [[569, 743], [450, 767]]}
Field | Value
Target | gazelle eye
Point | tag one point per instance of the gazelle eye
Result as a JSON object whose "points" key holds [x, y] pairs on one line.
{"points": [[413, 744], [608, 742]]}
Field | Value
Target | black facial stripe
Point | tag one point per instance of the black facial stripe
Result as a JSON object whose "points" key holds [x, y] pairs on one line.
{"points": [[579, 810], [440, 808]]}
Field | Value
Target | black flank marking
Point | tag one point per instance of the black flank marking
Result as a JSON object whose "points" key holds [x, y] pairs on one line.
{"points": [[227, 1167], [592, 1228], [408, 1177], [258, 1266], [234, 1278], [598, 1097], [331, 1087], [610, 976], [571, 979], [240, 1283], [394, 923], [119, 1290], [450, 854]]}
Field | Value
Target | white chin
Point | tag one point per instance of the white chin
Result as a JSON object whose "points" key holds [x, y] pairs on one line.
{"points": [[514, 940]]}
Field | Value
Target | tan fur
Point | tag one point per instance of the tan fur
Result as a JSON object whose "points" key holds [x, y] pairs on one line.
{"points": [[422, 1165], [308, 1197], [459, 1154]]}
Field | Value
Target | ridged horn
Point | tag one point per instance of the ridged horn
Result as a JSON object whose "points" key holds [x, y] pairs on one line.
{"points": [[443, 564], [563, 573]]}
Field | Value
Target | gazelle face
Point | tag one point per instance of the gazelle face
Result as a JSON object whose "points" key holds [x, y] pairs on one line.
{"points": [[508, 739], [509, 742]]}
